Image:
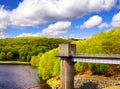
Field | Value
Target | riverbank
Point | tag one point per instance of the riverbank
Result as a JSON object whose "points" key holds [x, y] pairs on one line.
{"points": [[14, 63], [89, 82]]}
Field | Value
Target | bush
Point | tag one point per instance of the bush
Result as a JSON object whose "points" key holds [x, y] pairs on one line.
{"points": [[78, 67], [49, 65], [35, 60], [100, 69]]}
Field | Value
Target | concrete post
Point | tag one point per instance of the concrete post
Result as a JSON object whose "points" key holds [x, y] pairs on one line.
{"points": [[66, 51]]}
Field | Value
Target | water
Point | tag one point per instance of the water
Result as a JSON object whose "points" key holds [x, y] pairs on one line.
{"points": [[18, 77]]}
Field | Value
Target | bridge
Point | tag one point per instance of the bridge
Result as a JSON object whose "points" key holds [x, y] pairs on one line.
{"points": [[68, 55]]}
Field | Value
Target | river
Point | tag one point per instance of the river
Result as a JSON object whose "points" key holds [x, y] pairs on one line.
{"points": [[18, 77]]}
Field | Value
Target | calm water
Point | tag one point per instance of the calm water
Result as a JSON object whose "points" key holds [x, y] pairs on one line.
{"points": [[18, 77]]}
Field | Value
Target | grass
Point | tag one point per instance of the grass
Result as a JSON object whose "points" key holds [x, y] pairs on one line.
{"points": [[53, 81], [15, 62]]}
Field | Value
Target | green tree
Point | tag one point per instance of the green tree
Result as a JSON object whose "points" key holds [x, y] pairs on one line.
{"points": [[9, 56], [56, 69], [2, 56]]}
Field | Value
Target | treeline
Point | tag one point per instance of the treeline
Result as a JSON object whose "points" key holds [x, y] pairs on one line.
{"points": [[24, 48], [104, 43]]}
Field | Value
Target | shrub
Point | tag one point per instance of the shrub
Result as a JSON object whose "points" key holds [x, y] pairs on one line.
{"points": [[100, 69], [49, 65], [78, 67]]}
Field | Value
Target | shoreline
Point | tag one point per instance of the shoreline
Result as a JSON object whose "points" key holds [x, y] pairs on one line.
{"points": [[80, 81], [14, 63]]}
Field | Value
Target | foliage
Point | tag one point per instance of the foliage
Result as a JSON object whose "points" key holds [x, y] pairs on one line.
{"points": [[2, 56], [78, 67], [14, 62], [118, 67], [54, 81], [100, 69], [35, 60], [9, 55], [102, 43], [22, 49], [49, 65]]}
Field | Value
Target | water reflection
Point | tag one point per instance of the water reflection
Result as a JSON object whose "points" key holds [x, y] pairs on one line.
{"points": [[18, 77]]}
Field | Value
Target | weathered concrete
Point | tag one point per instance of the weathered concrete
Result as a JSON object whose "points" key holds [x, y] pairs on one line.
{"points": [[67, 71]]}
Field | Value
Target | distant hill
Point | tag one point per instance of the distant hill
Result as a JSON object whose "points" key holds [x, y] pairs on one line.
{"points": [[23, 48], [103, 43]]}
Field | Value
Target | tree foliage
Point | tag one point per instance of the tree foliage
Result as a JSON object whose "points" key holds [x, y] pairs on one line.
{"points": [[79, 67], [102, 43], [49, 65], [24, 48], [99, 69]]}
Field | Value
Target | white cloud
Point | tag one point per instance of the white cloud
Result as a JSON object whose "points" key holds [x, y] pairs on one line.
{"points": [[4, 19], [53, 30], [103, 25], [37, 12], [93, 21], [56, 29], [24, 35], [27, 34], [2, 35], [72, 36], [116, 20]]}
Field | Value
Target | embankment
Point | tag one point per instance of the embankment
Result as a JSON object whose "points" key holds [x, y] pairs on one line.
{"points": [[91, 83]]}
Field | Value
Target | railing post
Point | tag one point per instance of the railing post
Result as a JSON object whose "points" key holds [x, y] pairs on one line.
{"points": [[66, 51]]}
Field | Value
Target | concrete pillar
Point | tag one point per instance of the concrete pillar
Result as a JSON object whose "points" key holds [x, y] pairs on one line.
{"points": [[66, 51]]}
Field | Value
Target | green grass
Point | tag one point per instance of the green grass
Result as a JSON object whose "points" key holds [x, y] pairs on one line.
{"points": [[15, 62]]}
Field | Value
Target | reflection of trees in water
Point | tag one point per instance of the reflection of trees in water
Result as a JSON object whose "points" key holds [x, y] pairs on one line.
{"points": [[17, 77]]}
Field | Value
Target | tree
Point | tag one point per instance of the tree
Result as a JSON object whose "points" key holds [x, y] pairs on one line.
{"points": [[9, 56], [2, 56]]}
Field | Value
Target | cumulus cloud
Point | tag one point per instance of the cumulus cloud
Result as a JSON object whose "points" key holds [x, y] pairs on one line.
{"points": [[24, 35], [37, 12], [103, 25], [116, 20], [93, 21], [4, 19], [56, 29], [53, 30]]}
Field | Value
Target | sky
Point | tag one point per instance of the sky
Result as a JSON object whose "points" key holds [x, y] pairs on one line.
{"points": [[77, 19]]}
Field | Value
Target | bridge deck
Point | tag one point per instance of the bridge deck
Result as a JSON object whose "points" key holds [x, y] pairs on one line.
{"points": [[97, 58]]}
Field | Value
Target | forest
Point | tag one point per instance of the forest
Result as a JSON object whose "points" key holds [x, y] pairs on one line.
{"points": [[22, 49], [102, 43], [41, 52]]}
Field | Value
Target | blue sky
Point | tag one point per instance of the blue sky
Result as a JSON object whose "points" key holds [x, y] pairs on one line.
{"points": [[58, 18]]}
